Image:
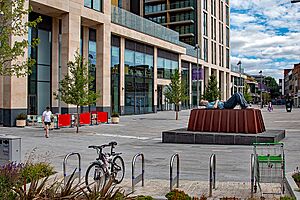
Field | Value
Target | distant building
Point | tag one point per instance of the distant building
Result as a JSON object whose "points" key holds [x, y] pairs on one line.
{"points": [[281, 86], [292, 82]]}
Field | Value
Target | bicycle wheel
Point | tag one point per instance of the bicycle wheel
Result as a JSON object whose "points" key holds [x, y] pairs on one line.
{"points": [[118, 168], [95, 177]]}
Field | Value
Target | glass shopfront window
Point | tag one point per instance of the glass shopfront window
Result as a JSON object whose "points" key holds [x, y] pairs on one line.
{"points": [[167, 63], [185, 79], [115, 74], [39, 81], [92, 56], [138, 78]]}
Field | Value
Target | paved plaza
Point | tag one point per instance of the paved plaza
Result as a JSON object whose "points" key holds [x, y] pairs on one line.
{"points": [[142, 133]]}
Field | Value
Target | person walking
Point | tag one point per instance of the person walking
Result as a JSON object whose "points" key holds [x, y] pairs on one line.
{"points": [[46, 119], [270, 107]]}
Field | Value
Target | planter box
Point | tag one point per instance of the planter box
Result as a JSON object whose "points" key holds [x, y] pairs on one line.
{"points": [[291, 186], [115, 120], [20, 123]]}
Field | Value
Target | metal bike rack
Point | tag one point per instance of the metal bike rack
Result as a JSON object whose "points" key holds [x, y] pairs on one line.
{"points": [[141, 177], [212, 173], [174, 180], [253, 189], [76, 174]]}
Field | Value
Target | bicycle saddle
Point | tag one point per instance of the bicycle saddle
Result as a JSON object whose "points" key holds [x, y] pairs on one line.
{"points": [[113, 143]]}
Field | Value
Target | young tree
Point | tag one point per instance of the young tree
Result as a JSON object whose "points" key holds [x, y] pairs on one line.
{"points": [[176, 91], [12, 23], [212, 91], [76, 87], [247, 93]]}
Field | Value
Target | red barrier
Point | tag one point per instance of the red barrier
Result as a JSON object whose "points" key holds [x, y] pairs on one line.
{"points": [[102, 117], [85, 118], [64, 120]]}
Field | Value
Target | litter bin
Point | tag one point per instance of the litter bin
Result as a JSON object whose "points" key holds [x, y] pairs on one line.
{"points": [[289, 105]]}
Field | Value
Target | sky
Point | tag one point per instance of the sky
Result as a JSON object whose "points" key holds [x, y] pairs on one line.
{"points": [[265, 35]]}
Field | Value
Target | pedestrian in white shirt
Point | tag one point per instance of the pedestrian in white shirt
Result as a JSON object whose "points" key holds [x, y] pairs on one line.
{"points": [[46, 119]]}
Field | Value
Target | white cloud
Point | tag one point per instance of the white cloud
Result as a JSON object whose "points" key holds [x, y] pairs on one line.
{"points": [[265, 34]]}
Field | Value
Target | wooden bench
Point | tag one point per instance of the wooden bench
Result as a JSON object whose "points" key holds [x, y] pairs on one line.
{"points": [[226, 120]]}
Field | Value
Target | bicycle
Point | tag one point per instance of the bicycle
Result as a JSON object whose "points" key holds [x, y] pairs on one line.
{"points": [[107, 165]]}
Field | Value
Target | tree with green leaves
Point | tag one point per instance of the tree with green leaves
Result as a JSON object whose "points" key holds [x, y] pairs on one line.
{"points": [[12, 51], [76, 87], [273, 86], [212, 91], [176, 91], [247, 93]]}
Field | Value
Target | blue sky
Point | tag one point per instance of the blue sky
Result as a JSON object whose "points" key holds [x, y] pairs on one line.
{"points": [[265, 35]]}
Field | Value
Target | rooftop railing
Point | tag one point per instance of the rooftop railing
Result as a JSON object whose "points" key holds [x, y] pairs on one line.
{"points": [[237, 69]]}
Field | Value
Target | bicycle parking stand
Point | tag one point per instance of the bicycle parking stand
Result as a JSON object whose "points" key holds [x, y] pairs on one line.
{"points": [[141, 177], [212, 173], [76, 174], [174, 180], [253, 187]]}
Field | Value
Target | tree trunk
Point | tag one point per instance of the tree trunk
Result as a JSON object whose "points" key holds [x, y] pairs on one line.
{"points": [[77, 120], [176, 115]]}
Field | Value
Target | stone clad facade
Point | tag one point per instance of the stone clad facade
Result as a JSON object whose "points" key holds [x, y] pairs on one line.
{"points": [[131, 63]]}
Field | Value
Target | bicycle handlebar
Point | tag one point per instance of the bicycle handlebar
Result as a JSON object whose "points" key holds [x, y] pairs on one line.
{"points": [[112, 144]]}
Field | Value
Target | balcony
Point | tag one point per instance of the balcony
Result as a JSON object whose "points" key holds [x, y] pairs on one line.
{"points": [[187, 35], [154, 1], [236, 69], [179, 22], [140, 24]]}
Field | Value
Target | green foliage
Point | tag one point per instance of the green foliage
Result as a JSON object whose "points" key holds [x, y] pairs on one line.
{"points": [[143, 198], [266, 97], [287, 198], [247, 93], [76, 87], [9, 177], [178, 195], [273, 86], [21, 116], [176, 91], [13, 22], [36, 171], [212, 91]]}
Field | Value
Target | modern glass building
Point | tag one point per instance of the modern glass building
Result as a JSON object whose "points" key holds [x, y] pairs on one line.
{"points": [[130, 57]]}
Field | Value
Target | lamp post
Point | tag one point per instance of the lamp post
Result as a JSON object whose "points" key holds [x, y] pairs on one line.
{"points": [[197, 47], [261, 100], [240, 72]]}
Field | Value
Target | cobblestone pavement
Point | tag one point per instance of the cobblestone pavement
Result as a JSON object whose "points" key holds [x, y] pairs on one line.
{"points": [[142, 133]]}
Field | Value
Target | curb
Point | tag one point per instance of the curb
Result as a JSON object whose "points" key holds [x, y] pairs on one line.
{"points": [[291, 186]]}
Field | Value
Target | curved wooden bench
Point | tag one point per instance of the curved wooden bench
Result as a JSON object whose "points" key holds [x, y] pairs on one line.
{"points": [[227, 121]]}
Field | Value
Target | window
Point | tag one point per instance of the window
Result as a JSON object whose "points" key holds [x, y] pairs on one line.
{"points": [[227, 15], [205, 49], [221, 10], [205, 5], [227, 36], [205, 23], [215, 29], [167, 63], [93, 4], [227, 58]]}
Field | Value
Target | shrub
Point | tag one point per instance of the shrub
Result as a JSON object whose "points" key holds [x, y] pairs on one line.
{"points": [[21, 116], [10, 177], [115, 114], [178, 195], [36, 171]]}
